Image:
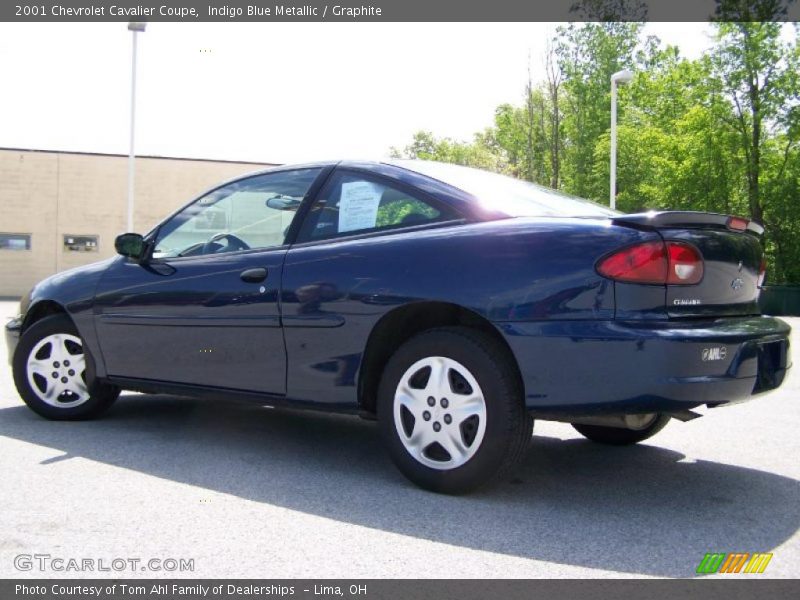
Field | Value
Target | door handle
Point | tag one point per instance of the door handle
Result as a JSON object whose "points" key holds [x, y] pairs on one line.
{"points": [[256, 275]]}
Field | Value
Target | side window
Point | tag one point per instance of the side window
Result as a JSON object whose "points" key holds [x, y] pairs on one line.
{"points": [[249, 213], [351, 203]]}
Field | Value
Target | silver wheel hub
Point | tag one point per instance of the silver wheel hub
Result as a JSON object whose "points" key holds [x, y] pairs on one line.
{"points": [[440, 413], [56, 371]]}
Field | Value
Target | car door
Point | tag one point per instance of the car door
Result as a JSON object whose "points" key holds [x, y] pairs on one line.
{"points": [[204, 310], [350, 264]]}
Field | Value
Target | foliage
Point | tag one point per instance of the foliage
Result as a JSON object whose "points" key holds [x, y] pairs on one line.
{"points": [[395, 212], [481, 153]]}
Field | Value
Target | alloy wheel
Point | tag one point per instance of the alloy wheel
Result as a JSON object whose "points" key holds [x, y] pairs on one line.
{"points": [[440, 412], [56, 370]]}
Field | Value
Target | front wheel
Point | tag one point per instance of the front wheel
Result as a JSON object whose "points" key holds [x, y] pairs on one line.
{"points": [[53, 372], [623, 436], [451, 410]]}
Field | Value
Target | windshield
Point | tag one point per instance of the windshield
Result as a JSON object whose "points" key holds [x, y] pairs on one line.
{"points": [[504, 194]]}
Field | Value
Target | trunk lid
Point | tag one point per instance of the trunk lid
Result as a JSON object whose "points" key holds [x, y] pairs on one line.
{"points": [[731, 261]]}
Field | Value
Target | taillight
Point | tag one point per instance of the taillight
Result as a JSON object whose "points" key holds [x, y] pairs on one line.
{"points": [[738, 223], [685, 264], [762, 272], [670, 263], [643, 263]]}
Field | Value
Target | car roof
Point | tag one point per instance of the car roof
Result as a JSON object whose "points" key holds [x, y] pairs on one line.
{"points": [[401, 171]]}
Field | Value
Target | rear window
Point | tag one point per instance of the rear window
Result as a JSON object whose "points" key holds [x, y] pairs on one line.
{"points": [[504, 194], [352, 203]]}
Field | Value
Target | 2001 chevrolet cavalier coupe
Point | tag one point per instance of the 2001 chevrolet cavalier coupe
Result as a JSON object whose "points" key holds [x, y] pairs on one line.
{"points": [[451, 304]]}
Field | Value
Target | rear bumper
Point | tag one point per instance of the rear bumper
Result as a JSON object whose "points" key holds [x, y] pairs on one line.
{"points": [[13, 329], [612, 367]]}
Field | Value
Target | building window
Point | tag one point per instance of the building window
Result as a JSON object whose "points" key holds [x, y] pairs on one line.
{"points": [[15, 241], [80, 243]]}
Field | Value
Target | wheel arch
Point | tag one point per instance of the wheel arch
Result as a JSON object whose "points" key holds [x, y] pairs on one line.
{"points": [[404, 322], [40, 310]]}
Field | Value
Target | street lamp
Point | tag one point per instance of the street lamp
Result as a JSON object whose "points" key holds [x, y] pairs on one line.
{"points": [[135, 28], [618, 78]]}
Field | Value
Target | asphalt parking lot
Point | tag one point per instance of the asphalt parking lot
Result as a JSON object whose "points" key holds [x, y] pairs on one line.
{"points": [[248, 491]]}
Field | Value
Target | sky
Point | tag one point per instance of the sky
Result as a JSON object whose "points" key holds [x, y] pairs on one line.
{"points": [[269, 92]]}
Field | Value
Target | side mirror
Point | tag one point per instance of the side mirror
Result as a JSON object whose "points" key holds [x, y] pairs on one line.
{"points": [[130, 245]]}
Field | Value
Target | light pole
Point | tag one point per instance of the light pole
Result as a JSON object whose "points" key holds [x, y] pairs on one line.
{"points": [[620, 77], [135, 28]]}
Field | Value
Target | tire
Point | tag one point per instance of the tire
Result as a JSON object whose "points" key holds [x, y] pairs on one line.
{"points": [[480, 431], [53, 346], [621, 436]]}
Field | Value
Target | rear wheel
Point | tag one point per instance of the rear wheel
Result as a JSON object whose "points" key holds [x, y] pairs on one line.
{"points": [[451, 410], [623, 436], [54, 374]]}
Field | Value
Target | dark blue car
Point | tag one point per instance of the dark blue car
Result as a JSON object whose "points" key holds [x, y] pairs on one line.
{"points": [[453, 305]]}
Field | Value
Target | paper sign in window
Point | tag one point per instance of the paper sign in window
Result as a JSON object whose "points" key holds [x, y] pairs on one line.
{"points": [[358, 205]]}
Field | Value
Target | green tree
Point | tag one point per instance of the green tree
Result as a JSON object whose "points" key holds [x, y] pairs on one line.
{"points": [[675, 150], [483, 152], [759, 75], [720, 133], [588, 55]]}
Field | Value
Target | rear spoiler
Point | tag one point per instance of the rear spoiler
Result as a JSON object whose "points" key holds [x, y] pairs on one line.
{"points": [[690, 219]]}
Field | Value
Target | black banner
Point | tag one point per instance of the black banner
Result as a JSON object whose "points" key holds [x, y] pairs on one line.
{"points": [[399, 10], [252, 589]]}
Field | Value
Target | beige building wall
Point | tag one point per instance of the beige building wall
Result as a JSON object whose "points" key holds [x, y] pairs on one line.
{"points": [[52, 194]]}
